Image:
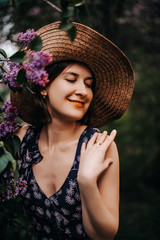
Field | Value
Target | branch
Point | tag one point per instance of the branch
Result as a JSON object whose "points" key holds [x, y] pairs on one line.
{"points": [[3, 68], [4, 60], [54, 6]]}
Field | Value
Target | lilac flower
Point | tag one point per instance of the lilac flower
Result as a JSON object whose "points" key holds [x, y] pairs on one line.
{"points": [[9, 125], [10, 112], [6, 105], [11, 76], [12, 191], [35, 67], [6, 128], [26, 37], [39, 59], [39, 76]]}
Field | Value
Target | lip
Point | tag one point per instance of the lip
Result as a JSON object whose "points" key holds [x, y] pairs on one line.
{"points": [[77, 103]]}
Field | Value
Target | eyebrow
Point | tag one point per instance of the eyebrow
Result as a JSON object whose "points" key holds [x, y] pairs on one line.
{"points": [[75, 75]]}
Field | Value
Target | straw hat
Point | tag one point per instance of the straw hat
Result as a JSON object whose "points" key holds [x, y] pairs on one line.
{"points": [[112, 69]]}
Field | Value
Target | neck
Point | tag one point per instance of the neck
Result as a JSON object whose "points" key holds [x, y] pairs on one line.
{"points": [[59, 131]]}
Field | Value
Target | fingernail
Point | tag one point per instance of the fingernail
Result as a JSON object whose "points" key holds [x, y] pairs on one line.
{"points": [[114, 131]]}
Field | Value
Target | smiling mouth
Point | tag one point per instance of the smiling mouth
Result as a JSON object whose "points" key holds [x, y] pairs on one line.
{"points": [[77, 103]]}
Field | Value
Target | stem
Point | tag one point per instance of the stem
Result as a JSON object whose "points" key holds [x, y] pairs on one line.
{"points": [[4, 60], [54, 6], [3, 68]]}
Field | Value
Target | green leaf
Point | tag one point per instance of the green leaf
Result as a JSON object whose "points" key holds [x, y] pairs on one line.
{"points": [[68, 13], [66, 25], [36, 44], [4, 160], [3, 53], [1, 99], [22, 221], [14, 144], [18, 57], [21, 76], [72, 33]]}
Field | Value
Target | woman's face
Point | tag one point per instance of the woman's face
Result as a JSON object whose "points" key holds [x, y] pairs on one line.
{"points": [[70, 94]]}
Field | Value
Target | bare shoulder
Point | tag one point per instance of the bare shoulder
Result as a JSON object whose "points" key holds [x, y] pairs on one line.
{"points": [[22, 131], [112, 152]]}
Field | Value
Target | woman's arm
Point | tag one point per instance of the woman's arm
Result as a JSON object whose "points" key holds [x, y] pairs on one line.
{"points": [[98, 179]]}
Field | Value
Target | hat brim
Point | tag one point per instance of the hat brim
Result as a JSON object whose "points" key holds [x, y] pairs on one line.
{"points": [[113, 71]]}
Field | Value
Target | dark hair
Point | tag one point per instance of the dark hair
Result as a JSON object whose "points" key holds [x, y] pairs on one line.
{"points": [[53, 70]]}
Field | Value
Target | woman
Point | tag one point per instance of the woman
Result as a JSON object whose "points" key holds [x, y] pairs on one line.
{"points": [[72, 169]]}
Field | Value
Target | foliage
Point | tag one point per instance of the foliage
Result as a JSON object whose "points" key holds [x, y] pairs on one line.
{"points": [[16, 224], [41, 12]]}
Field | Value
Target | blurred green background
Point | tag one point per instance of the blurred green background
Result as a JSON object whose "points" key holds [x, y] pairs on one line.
{"points": [[134, 26]]}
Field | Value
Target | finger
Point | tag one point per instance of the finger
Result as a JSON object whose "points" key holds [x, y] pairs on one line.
{"points": [[92, 140], [109, 139], [83, 148], [101, 137], [113, 134]]}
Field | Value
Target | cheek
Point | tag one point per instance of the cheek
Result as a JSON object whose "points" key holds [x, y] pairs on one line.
{"points": [[91, 96]]}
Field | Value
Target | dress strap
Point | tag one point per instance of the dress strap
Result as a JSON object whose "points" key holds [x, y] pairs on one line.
{"points": [[29, 152]]}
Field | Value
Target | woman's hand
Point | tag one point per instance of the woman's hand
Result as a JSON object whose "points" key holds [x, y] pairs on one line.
{"points": [[93, 159]]}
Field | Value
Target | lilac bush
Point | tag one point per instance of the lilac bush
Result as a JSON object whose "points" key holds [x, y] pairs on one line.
{"points": [[33, 64], [25, 66]]}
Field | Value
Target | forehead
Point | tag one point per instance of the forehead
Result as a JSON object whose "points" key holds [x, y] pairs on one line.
{"points": [[79, 69]]}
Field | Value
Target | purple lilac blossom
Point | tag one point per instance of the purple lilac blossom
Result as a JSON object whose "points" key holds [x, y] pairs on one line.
{"points": [[39, 59], [11, 76], [26, 37], [11, 112], [35, 67], [6, 105], [38, 76], [6, 128], [11, 191]]}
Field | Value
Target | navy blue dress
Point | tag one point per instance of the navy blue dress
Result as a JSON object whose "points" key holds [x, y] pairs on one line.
{"points": [[58, 217]]}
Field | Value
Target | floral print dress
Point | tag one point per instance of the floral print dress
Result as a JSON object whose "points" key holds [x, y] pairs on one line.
{"points": [[58, 217]]}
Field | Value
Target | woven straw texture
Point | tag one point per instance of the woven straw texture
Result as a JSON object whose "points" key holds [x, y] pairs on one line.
{"points": [[112, 69]]}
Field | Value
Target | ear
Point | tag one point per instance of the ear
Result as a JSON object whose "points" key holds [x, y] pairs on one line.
{"points": [[44, 93]]}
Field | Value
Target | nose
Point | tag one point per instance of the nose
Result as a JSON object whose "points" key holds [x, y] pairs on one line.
{"points": [[81, 89]]}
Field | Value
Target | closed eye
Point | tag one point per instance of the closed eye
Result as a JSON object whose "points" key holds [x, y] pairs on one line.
{"points": [[88, 85], [89, 82], [70, 80]]}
